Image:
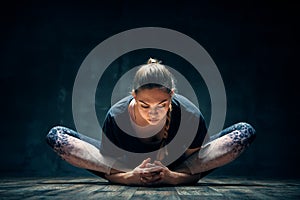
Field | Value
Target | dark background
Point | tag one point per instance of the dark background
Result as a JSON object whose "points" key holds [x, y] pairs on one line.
{"points": [[253, 43]]}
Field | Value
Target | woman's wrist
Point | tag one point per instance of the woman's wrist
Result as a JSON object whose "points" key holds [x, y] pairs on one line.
{"points": [[120, 178], [178, 177], [128, 178], [125, 178], [183, 178], [184, 168]]}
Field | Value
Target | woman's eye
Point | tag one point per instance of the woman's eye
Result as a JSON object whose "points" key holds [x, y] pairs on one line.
{"points": [[161, 106], [144, 106]]}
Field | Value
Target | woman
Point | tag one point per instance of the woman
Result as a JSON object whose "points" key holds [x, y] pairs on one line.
{"points": [[142, 126]]}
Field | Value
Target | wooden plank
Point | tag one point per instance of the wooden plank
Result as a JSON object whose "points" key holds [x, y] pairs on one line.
{"points": [[201, 192], [96, 188], [159, 193]]}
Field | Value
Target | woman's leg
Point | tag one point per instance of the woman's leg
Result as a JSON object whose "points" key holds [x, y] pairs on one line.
{"points": [[222, 149], [78, 150]]}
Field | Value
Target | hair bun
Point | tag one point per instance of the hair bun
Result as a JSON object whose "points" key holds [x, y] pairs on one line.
{"points": [[153, 61]]}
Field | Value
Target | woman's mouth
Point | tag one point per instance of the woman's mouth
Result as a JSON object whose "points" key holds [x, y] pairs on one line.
{"points": [[154, 120]]}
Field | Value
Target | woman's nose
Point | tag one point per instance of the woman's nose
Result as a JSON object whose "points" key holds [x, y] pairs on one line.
{"points": [[153, 111]]}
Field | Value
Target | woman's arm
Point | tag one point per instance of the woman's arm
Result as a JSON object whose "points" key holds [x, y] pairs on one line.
{"points": [[144, 171], [158, 175], [155, 174], [124, 178]]}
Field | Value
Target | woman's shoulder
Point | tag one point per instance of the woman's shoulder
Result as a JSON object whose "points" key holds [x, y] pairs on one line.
{"points": [[184, 104], [120, 107]]}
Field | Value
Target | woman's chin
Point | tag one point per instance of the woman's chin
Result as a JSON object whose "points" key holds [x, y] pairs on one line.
{"points": [[153, 121]]}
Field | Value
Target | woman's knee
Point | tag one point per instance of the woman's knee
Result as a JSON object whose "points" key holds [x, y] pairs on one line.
{"points": [[54, 134], [244, 134], [247, 130]]}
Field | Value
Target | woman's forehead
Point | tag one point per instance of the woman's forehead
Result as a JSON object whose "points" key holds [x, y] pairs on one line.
{"points": [[154, 95]]}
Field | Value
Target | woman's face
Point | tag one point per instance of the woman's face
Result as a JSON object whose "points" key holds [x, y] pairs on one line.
{"points": [[152, 105]]}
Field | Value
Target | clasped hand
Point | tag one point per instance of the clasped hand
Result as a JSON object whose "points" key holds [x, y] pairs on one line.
{"points": [[155, 173]]}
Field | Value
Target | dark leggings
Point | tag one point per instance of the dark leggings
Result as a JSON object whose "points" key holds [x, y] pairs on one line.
{"points": [[247, 132], [53, 141], [243, 135], [52, 136]]}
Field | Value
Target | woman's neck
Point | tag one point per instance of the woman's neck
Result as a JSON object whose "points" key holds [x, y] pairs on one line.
{"points": [[145, 131]]}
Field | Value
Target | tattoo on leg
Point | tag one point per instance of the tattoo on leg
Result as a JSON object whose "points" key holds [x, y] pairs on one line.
{"points": [[242, 136], [57, 138]]}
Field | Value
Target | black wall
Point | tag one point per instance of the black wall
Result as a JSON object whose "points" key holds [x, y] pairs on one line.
{"points": [[252, 43]]}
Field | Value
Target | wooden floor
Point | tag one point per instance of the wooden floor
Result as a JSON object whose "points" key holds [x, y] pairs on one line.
{"points": [[97, 188]]}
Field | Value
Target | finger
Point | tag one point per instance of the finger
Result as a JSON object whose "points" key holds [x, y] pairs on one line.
{"points": [[146, 175], [155, 178], [159, 179], [144, 163], [150, 175], [150, 180], [162, 174], [145, 180], [155, 169], [158, 163], [150, 165], [149, 171]]}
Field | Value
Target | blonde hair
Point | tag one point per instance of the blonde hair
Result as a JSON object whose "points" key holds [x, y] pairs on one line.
{"points": [[153, 75]]}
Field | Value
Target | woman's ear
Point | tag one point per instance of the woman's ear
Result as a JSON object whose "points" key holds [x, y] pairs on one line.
{"points": [[133, 94], [172, 92]]}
